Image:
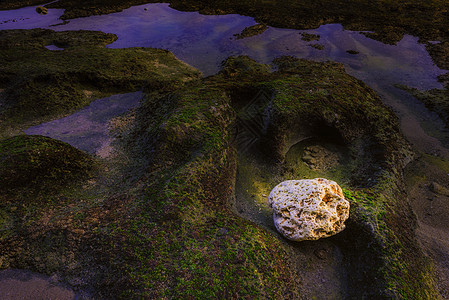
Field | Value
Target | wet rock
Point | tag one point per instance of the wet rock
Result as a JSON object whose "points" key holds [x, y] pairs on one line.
{"points": [[308, 209], [320, 253], [308, 37], [317, 46], [319, 158], [251, 31], [41, 10], [24, 284], [439, 189], [40, 163]]}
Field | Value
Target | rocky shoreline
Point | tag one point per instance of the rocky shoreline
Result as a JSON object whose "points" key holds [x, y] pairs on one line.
{"points": [[167, 192], [180, 210]]}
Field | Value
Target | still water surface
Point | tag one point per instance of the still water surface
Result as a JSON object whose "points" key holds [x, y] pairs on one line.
{"points": [[204, 41]]}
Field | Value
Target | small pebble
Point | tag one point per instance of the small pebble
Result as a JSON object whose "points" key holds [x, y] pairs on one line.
{"points": [[320, 253]]}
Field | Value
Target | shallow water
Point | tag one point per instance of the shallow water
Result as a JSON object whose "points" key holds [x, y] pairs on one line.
{"points": [[54, 48], [88, 129], [204, 41], [28, 18]]}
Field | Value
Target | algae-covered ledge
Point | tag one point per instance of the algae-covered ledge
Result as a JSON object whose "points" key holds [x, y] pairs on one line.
{"points": [[39, 84], [159, 219]]}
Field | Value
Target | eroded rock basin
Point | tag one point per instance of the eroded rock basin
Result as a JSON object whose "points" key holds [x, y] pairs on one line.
{"points": [[320, 264]]}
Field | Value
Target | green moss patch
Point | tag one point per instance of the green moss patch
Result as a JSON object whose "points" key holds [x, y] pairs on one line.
{"points": [[37, 161]]}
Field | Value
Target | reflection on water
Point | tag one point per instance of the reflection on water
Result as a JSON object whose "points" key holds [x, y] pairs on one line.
{"points": [[204, 41], [88, 128], [54, 48], [28, 18]]}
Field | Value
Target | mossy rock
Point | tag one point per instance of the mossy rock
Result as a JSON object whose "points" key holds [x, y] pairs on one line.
{"points": [[41, 10], [186, 138], [6, 5], [309, 37], [41, 163], [40, 84], [38, 38], [251, 31], [242, 66], [171, 231], [190, 171]]}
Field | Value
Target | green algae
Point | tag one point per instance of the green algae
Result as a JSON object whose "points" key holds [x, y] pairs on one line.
{"points": [[174, 235], [42, 162], [40, 84], [7, 5], [169, 229], [320, 100], [380, 153], [251, 31], [203, 250]]}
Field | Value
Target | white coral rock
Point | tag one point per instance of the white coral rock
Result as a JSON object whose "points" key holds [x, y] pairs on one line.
{"points": [[308, 209]]}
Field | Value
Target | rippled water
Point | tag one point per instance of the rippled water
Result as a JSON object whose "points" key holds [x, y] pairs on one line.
{"points": [[204, 41]]}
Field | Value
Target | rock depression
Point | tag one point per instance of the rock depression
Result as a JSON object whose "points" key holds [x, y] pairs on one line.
{"points": [[308, 209]]}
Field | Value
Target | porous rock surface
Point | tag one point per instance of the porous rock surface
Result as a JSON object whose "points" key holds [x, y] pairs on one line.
{"points": [[308, 209]]}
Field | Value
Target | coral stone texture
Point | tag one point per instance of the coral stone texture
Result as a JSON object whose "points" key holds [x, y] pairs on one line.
{"points": [[308, 209]]}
